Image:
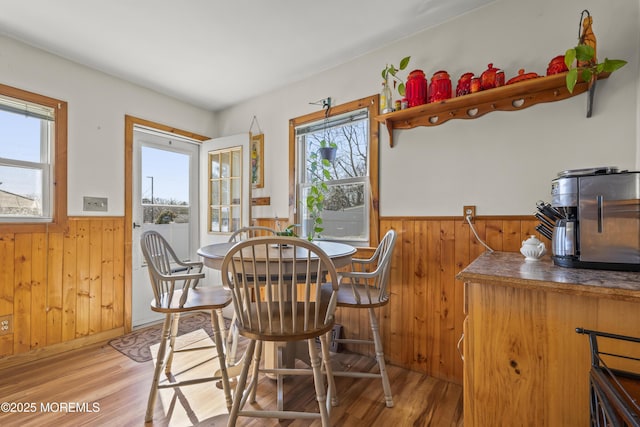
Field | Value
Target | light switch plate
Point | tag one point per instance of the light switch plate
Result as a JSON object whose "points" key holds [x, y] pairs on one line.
{"points": [[96, 204]]}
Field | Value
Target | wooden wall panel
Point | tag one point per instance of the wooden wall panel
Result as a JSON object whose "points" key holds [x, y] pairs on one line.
{"points": [[69, 282], [7, 269], [425, 314], [38, 335], [62, 285], [423, 321], [54, 288]]}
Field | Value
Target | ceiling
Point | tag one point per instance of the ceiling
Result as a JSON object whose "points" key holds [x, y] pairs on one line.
{"points": [[215, 53]]}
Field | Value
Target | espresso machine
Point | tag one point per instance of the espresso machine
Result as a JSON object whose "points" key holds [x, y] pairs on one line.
{"points": [[597, 219]]}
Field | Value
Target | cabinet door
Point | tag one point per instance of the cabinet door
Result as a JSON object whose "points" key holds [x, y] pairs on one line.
{"points": [[505, 357]]}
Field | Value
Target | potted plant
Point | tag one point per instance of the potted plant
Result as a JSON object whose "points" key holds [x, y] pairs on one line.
{"points": [[288, 232], [319, 165], [391, 70], [582, 58], [328, 150], [589, 69]]}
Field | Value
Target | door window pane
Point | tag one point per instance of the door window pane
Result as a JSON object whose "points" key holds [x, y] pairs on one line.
{"points": [[225, 190], [165, 196]]}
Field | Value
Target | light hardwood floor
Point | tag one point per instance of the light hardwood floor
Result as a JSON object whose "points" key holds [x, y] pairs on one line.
{"points": [[98, 386]]}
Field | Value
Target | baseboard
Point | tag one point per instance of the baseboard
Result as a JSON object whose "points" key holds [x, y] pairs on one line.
{"points": [[40, 353]]}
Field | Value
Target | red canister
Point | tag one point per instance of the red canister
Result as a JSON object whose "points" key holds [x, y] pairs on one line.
{"points": [[489, 78], [416, 88], [464, 84], [440, 88], [557, 65]]}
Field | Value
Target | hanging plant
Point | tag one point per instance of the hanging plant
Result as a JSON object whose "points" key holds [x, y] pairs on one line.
{"points": [[319, 171], [581, 60]]}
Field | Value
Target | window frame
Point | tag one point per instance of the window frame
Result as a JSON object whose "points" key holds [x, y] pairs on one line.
{"points": [[371, 103], [58, 196]]}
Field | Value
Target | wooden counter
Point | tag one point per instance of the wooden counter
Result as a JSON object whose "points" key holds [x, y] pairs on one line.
{"points": [[524, 362]]}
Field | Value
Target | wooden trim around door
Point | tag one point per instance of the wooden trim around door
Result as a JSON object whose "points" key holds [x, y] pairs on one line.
{"points": [[129, 123]]}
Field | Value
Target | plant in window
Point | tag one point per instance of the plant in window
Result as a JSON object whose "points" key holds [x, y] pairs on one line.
{"points": [[319, 172]]}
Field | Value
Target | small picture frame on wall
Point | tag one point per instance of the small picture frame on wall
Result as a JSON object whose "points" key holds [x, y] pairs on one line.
{"points": [[257, 160]]}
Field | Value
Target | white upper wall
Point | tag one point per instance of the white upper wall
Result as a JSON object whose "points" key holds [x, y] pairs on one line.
{"points": [[502, 162], [98, 104]]}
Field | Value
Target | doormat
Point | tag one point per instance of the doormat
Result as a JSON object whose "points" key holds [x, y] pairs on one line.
{"points": [[137, 345]]}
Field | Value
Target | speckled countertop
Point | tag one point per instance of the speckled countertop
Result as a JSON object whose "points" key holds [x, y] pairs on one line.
{"points": [[510, 269]]}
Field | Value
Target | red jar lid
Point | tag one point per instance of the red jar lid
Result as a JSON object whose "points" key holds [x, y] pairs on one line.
{"points": [[440, 75]]}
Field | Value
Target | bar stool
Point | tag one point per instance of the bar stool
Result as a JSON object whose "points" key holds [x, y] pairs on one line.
{"points": [[175, 292]]}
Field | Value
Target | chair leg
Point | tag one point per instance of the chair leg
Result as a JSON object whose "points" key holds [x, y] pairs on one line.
{"points": [[232, 341], [238, 400], [217, 336], [166, 328], [326, 358], [321, 395], [380, 357], [175, 322], [256, 370], [221, 322]]}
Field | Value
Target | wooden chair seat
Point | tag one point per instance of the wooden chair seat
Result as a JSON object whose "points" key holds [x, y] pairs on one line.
{"points": [[360, 296], [198, 299]]}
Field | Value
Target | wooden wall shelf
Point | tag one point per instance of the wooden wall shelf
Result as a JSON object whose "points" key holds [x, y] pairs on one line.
{"points": [[513, 97]]}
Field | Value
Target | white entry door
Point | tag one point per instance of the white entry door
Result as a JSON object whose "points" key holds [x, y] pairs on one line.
{"points": [[225, 191], [165, 199]]}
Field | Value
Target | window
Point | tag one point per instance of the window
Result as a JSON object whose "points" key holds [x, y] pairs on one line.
{"points": [[348, 208], [225, 190], [32, 158]]}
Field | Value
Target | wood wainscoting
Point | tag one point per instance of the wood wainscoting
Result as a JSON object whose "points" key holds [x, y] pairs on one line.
{"points": [[61, 289], [422, 323], [66, 289]]}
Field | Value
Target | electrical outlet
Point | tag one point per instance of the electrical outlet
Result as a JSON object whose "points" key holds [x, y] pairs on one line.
{"points": [[6, 324], [469, 211]]}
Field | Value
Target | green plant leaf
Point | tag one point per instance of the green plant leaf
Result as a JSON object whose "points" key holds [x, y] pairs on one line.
{"points": [[611, 65], [572, 78], [584, 52], [404, 62], [569, 57], [384, 74], [586, 74], [401, 89]]}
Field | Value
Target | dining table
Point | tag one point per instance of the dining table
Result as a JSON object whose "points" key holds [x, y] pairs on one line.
{"points": [[340, 253], [278, 353]]}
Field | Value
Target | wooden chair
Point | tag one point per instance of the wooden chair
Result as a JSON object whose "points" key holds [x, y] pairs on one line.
{"points": [[173, 282], [365, 287], [250, 232], [278, 296], [243, 233]]}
